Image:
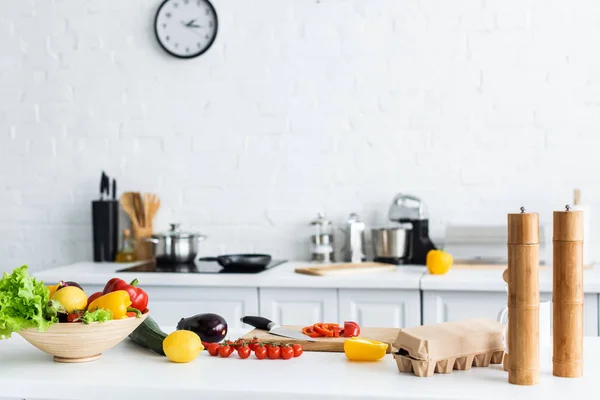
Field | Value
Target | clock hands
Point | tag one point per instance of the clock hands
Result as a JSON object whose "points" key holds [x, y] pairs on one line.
{"points": [[191, 24]]}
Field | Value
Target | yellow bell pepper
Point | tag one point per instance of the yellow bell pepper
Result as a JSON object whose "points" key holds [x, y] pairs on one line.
{"points": [[117, 302], [438, 262], [359, 349], [53, 289]]}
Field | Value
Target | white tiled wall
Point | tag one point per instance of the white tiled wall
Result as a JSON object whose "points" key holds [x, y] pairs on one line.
{"points": [[478, 106]]}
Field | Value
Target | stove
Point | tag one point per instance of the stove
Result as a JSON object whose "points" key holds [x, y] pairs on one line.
{"points": [[199, 267]]}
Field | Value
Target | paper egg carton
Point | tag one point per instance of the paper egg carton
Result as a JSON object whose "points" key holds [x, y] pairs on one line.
{"points": [[442, 348]]}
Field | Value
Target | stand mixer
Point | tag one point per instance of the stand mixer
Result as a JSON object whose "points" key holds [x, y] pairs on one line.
{"points": [[408, 209]]}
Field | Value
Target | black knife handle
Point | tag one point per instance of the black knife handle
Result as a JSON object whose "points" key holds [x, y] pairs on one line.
{"points": [[258, 322]]}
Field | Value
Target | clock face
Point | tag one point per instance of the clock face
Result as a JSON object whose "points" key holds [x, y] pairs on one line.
{"points": [[186, 28]]}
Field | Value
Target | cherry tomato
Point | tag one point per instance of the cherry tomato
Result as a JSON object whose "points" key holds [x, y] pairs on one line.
{"points": [[73, 317], [239, 343], [254, 343], [213, 349], [228, 342], [274, 352], [225, 351], [287, 352], [260, 352], [298, 350], [244, 352]]}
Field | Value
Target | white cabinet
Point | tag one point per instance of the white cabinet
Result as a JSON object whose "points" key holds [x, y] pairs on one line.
{"points": [[380, 308], [442, 306], [303, 306], [169, 304]]}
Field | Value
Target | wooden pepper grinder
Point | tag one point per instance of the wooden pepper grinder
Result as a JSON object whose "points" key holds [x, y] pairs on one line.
{"points": [[567, 293], [523, 298]]}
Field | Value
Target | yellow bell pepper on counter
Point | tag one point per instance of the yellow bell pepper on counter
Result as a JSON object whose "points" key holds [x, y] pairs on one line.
{"points": [[438, 262], [359, 349], [117, 302]]}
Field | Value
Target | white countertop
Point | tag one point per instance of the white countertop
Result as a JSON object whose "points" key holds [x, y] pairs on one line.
{"points": [[90, 273], [405, 277], [491, 280], [128, 371]]}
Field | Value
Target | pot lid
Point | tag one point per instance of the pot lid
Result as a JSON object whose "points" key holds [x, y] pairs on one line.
{"points": [[176, 231], [320, 220]]}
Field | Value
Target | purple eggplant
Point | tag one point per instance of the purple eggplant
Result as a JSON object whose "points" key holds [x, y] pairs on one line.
{"points": [[63, 284], [212, 328]]}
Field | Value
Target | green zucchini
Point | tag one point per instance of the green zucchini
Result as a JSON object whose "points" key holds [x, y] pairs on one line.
{"points": [[148, 334]]}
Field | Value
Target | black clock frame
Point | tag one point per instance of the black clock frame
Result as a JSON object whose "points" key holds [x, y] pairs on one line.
{"points": [[192, 55]]}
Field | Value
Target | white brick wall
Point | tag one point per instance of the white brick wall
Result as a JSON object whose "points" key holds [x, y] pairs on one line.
{"points": [[478, 106]]}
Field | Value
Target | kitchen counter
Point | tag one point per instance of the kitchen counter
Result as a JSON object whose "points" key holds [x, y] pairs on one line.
{"points": [[128, 371], [491, 280], [405, 277], [282, 276]]}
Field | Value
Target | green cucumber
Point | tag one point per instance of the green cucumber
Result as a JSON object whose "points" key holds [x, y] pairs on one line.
{"points": [[148, 334]]}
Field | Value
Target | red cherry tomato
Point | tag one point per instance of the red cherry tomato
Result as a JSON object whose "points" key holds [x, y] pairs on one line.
{"points": [[274, 352], [225, 351], [287, 352], [298, 350], [260, 352], [254, 343], [213, 349], [244, 352]]}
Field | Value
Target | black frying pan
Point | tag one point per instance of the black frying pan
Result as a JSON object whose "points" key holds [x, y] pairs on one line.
{"points": [[240, 261]]}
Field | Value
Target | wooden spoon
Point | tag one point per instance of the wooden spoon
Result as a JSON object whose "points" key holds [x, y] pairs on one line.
{"points": [[127, 203]]}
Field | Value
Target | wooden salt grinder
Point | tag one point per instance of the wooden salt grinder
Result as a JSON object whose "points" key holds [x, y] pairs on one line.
{"points": [[567, 293], [523, 298]]}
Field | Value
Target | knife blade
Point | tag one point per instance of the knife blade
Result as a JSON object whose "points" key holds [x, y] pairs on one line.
{"points": [[274, 328]]}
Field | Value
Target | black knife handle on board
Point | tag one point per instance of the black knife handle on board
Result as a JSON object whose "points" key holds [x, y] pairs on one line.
{"points": [[258, 322]]}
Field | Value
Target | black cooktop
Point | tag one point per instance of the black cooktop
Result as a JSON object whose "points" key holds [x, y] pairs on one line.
{"points": [[199, 267]]}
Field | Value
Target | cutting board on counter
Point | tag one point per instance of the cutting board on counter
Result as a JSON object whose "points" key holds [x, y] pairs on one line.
{"points": [[346, 269], [334, 345]]}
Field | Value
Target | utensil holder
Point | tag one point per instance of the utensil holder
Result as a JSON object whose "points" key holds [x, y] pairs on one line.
{"points": [[105, 230], [567, 293], [523, 298], [143, 249]]}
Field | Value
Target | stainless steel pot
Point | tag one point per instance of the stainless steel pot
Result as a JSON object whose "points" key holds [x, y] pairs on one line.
{"points": [[175, 246], [391, 242]]}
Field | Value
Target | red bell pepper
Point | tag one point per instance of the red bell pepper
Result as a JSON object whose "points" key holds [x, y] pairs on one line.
{"points": [[138, 297]]}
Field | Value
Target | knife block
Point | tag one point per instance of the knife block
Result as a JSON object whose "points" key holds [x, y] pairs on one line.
{"points": [[523, 298], [143, 250], [105, 230]]}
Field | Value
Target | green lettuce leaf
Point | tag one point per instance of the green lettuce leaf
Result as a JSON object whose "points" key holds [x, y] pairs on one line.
{"points": [[99, 315], [23, 301]]}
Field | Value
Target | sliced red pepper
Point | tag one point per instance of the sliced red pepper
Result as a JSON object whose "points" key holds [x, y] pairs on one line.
{"points": [[326, 329], [336, 331], [309, 331]]}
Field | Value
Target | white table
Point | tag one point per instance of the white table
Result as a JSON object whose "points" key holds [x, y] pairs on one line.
{"points": [[128, 371]]}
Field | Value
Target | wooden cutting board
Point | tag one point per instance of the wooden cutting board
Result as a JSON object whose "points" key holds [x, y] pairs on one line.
{"points": [[334, 345], [345, 269]]}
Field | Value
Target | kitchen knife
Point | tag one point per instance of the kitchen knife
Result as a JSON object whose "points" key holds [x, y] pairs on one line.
{"points": [[275, 329]]}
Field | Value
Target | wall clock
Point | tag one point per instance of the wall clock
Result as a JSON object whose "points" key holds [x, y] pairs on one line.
{"points": [[186, 28]]}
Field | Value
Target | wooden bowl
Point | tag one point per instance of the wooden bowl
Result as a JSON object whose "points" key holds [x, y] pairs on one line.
{"points": [[77, 342]]}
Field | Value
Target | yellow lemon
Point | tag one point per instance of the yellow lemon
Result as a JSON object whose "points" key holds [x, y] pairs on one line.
{"points": [[359, 349], [71, 298], [182, 346]]}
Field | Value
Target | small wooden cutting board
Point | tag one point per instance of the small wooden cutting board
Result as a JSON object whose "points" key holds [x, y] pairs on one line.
{"points": [[334, 345], [346, 269]]}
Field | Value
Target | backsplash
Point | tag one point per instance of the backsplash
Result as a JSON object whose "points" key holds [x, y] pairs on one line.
{"points": [[476, 106]]}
